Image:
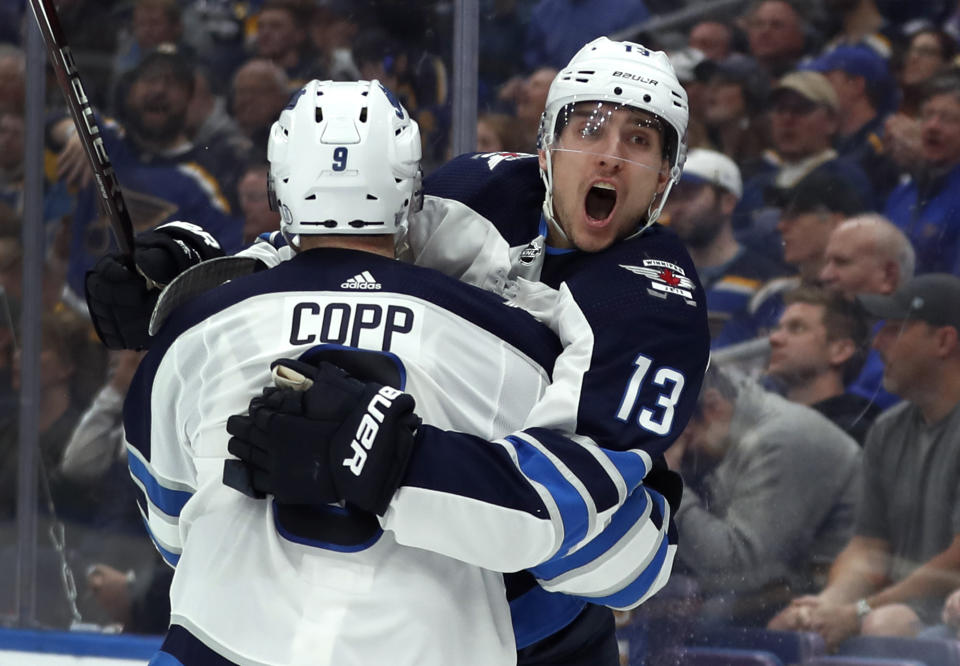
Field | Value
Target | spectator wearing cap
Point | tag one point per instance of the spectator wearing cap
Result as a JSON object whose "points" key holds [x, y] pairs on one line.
{"points": [[164, 176], [817, 348], [926, 205], [867, 94], [904, 558], [811, 210], [699, 211], [867, 254], [804, 118], [733, 109]]}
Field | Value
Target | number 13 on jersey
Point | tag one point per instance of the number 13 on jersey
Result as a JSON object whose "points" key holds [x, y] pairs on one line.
{"points": [[656, 418]]}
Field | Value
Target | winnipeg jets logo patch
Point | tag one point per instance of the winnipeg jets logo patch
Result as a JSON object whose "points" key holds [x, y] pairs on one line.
{"points": [[493, 159], [665, 278]]}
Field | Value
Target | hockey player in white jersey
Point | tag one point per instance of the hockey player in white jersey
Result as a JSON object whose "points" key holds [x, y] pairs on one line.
{"points": [[270, 582], [581, 216]]}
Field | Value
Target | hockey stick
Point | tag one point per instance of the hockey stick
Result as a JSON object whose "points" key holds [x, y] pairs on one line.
{"points": [[89, 132]]}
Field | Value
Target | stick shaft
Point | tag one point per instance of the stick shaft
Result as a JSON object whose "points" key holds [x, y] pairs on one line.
{"points": [[68, 77]]}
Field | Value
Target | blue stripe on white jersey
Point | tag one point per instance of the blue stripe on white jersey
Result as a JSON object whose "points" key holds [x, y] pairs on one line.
{"points": [[168, 500]]}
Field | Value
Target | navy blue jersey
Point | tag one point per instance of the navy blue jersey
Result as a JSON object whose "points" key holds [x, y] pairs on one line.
{"points": [[638, 305]]}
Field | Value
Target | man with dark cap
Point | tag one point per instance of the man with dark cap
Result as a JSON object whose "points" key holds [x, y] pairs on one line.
{"points": [[867, 94], [810, 211], [163, 175], [904, 557]]}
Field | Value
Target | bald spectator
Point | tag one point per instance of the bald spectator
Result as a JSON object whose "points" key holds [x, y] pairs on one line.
{"points": [[699, 210], [259, 91], [776, 34], [713, 39], [867, 94], [925, 206], [282, 38], [868, 255], [817, 348], [904, 559]]}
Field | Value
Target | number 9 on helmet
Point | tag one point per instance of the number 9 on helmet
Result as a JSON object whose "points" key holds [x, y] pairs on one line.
{"points": [[344, 159]]}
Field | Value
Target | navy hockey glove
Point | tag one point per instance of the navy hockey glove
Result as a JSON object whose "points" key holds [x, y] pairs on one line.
{"points": [[340, 439], [121, 298], [163, 253], [666, 482], [120, 303]]}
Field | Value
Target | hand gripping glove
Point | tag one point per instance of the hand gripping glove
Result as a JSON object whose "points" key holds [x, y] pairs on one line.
{"points": [[121, 297], [340, 439], [120, 303], [666, 482]]}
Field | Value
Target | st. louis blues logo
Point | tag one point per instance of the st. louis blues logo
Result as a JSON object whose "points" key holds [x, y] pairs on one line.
{"points": [[665, 278]]}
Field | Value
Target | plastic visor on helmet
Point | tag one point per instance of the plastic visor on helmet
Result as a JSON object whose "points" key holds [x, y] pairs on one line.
{"points": [[613, 76], [344, 159]]}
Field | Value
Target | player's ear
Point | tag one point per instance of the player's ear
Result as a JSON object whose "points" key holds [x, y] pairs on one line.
{"points": [[542, 158], [663, 176]]}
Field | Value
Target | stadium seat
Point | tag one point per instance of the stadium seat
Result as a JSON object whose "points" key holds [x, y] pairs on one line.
{"points": [[709, 656], [861, 661], [791, 647], [931, 652]]}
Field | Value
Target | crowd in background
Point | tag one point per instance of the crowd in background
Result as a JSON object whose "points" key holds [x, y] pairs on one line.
{"points": [[824, 164]]}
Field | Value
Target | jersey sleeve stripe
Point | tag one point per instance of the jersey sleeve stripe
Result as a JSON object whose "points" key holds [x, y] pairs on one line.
{"points": [[169, 555], [168, 500], [634, 515], [577, 514]]}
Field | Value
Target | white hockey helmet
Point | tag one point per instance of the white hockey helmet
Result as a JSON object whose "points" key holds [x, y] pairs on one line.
{"points": [[344, 159], [627, 74]]}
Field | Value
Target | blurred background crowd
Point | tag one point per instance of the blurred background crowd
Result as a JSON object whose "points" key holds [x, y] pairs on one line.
{"points": [[824, 164]]}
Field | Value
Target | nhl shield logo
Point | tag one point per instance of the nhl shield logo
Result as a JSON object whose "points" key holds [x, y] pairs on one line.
{"points": [[666, 278]]}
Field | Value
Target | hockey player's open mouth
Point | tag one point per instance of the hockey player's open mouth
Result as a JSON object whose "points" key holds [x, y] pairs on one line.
{"points": [[601, 199]]}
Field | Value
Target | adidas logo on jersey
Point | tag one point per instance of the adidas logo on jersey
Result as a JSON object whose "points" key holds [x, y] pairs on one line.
{"points": [[362, 280]]}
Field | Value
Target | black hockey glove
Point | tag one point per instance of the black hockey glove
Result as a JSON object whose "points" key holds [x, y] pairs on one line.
{"points": [[340, 439], [120, 303], [163, 253], [119, 297], [666, 482]]}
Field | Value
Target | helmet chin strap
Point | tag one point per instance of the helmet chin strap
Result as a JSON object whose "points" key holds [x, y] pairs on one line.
{"points": [[653, 209], [546, 175]]}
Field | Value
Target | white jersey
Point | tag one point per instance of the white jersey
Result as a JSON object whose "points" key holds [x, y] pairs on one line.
{"points": [[262, 584]]}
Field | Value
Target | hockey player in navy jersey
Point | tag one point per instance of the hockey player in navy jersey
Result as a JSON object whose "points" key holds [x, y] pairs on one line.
{"points": [[612, 147], [294, 580]]}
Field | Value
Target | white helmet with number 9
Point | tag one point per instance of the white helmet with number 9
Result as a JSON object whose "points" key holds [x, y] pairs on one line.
{"points": [[344, 159], [626, 74]]}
